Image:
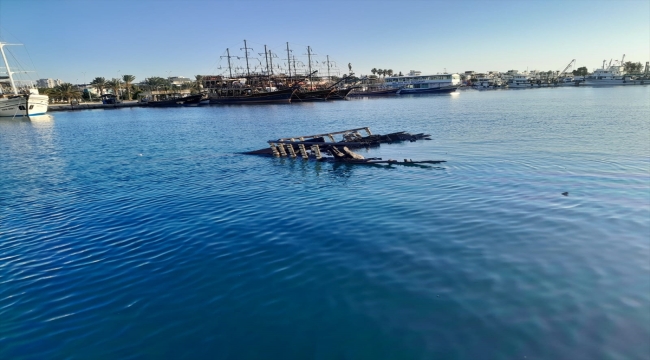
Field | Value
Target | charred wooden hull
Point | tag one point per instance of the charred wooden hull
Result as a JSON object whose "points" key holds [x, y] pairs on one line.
{"points": [[354, 142], [274, 97]]}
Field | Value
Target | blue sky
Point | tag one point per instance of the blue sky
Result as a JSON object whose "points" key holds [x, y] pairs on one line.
{"points": [[66, 38]]}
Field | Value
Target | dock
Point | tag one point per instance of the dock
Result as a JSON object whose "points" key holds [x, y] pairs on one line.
{"points": [[94, 105]]}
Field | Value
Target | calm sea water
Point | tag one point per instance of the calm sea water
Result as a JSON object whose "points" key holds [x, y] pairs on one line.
{"points": [[142, 233]]}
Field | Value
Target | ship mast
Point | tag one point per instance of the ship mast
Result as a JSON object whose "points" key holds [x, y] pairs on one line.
{"points": [[248, 72], [329, 78], [229, 67], [311, 84], [289, 62], [4, 58], [267, 66]]}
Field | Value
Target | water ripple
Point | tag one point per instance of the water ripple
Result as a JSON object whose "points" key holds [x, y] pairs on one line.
{"points": [[142, 233]]}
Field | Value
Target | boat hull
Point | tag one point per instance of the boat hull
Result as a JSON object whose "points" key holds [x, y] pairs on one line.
{"points": [[340, 94], [23, 105], [277, 97], [184, 101], [439, 90], [614, 82], [383, 92], [315, 95]]}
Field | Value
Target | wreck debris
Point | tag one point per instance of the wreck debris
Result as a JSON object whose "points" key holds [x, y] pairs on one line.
{"points": [[314, 146]]}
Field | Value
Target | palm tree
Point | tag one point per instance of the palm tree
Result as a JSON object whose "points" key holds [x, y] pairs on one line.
{"points": [[99, 83], [115, 85], [67, 92], [127, 83], [136, 91], [199, 82], [374, 71], [379, 72], [156, 82], [389, 72]]}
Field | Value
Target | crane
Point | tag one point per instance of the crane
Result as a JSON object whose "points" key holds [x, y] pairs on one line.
{"points": [[566, 68]]}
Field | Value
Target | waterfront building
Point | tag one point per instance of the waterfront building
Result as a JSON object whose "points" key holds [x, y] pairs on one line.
{"points": [[48, 83], [179, 80]]}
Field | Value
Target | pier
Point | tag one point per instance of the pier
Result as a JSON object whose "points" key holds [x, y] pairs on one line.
{"points": [[95, 105]]}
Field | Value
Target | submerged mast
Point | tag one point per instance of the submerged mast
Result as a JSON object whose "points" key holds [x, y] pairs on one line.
{"points": [[4, 58]]}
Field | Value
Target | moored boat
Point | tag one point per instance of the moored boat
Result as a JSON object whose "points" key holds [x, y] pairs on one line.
{"points": [[26, 103], [374, 92], [520, 81], [177, 101], [341, 94], [415, 83], [314, 95], [612, 75]]}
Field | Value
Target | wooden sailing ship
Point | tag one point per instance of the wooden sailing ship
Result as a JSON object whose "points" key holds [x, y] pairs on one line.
{"points": [[263, 85]]}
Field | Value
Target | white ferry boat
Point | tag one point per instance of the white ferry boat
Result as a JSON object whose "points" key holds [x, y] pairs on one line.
{"points": [[416, 83], [26, 103], [613, 75], [520, 81]]}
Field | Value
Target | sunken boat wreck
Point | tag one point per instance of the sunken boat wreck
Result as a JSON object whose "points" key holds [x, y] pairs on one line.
{"points": [[315, 147]]}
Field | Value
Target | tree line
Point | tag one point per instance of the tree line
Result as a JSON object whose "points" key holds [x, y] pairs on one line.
{"points": [[122, 87], [384, 72]]}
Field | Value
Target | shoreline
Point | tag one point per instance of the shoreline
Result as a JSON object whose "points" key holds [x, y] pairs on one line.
{"points": [[94, 105]]}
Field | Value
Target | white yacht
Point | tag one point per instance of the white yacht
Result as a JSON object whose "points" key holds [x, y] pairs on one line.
{"points": [[613, 75], [416, 83], [520, 81], [25, 103]]}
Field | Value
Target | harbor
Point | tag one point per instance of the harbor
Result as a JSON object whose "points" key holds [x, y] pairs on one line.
{"points": [[311, 81], [291, 180]]}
